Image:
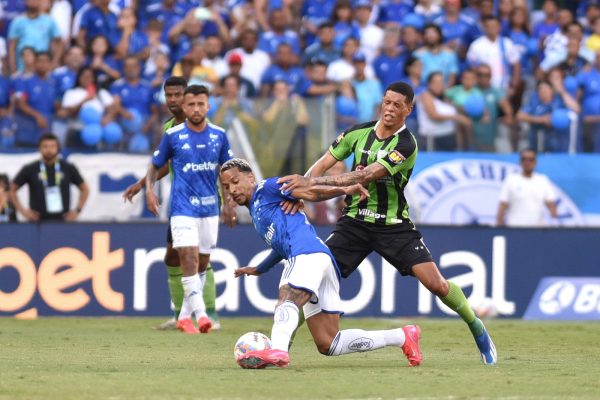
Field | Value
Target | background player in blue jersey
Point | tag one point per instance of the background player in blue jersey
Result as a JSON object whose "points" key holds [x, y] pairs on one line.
{"points": [[310, 279], [174, 88], [195, 148]]}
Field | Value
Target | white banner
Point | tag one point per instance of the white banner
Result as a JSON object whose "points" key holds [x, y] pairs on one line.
{"points": [[107, 175]]}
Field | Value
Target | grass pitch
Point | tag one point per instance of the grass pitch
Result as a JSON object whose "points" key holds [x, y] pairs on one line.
{"points": [[123, 358]]}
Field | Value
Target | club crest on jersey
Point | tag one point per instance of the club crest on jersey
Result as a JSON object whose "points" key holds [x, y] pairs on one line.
{"points": [[396, 157]]}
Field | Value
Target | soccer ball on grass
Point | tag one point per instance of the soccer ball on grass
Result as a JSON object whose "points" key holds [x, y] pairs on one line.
{"points": [[251, 341]]}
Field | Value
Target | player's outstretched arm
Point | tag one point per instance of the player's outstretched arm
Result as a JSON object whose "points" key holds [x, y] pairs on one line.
{"points": [[322, 165], [324, 192], [370, 173], [246, 271]]}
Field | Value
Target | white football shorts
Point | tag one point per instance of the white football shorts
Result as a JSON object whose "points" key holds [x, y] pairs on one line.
{"points": [[200, 232], [314, 273]]}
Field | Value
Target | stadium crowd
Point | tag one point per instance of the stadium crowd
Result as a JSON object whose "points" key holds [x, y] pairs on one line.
{"points": [[491, 75]]}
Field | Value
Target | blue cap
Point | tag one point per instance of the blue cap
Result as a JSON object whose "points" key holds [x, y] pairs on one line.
{"points": [[359, 56]]}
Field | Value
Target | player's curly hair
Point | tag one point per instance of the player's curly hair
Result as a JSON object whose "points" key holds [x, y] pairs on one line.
{"points": [[239, 163]]}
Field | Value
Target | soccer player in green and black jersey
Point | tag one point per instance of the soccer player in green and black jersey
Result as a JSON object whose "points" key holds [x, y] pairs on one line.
{"points": [[385, 152], [174, 88]]}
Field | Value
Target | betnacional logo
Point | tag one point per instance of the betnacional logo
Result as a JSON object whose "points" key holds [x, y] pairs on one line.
{"points": [[59, 275], [466, 192]]}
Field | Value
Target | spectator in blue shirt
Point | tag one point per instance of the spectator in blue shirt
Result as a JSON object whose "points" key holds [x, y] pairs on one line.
{"points": [[131, 94], [435, 57], [169, 12], [589, 82], [132, 41], [550, 22], [269, 41], [35, 103], [35, 30], [343, 24], [285, 68], [314, 14], [368, 91], [65, 76], [10, 10], [413, 68], [549, 96], [518, 31], [323, 49], [394, 11], [98, 20], [388, 65], [458, 31], [100, 58]]}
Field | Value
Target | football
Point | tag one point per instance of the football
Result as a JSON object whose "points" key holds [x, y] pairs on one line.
{"points": [[251, 341]]}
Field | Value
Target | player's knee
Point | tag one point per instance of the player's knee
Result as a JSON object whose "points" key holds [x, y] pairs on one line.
{"points": [[171, 258], [323, 348], [439, 287]]}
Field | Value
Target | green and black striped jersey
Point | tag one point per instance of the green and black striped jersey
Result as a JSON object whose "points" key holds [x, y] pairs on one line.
{"points": [[168, 124], [398, 153]]}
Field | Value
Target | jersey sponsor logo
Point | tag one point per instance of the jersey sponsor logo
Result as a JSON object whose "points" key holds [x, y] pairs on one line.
{"points": [[396, 157], [369, 213], [208, 200], [361, 344], [200, 146], [201, 167], [185, 147], [270, 233], [195, 201], [466, 192]]}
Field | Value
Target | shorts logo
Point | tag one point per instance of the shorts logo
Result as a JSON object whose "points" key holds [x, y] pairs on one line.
{"points": [[396, 157], [361, 344]]}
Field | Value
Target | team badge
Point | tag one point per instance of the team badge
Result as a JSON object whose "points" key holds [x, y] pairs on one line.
{"points": [[396, 157], [339, 138]]}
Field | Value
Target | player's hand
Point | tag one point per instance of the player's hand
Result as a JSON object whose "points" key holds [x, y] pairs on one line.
{"points": [[131, 191], [291, 182], [30, 215], [357, 189], [245, 271], [71, 215], [229, 215], [152, 202], [292, 207]]}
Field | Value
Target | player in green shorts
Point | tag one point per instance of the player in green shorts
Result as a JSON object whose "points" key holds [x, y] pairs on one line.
{"points": [[174, 88], [385, 152]]}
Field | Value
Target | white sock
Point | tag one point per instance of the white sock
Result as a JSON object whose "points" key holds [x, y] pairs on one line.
{"points": [[358, 340], [192, 290], [186, 312], [286, 321]]}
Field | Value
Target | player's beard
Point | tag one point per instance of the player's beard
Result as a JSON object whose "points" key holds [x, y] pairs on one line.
{"points": [[197, 121]]}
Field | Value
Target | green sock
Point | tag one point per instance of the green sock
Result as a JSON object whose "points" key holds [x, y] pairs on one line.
{"points": [[175, 287], [456, 300], [210, 292]]}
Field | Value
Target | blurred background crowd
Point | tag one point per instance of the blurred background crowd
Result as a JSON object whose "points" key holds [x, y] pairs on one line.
{"points": [[287, 75]]}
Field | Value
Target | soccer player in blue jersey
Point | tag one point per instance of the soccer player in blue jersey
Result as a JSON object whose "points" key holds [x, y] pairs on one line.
{"points": [[195, 148], [174, 88], [310, 279]]}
